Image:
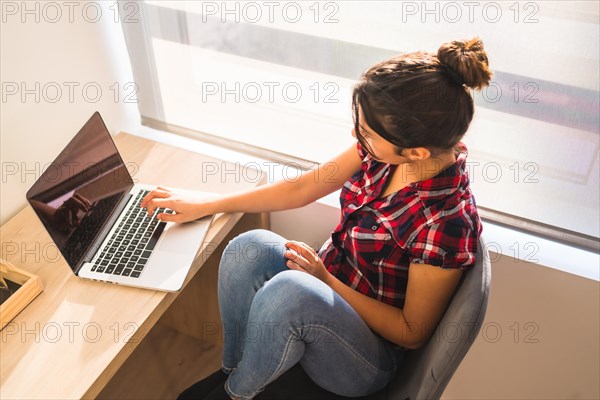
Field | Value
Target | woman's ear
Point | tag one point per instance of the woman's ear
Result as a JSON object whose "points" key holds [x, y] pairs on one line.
{"points": [[417, 153]]}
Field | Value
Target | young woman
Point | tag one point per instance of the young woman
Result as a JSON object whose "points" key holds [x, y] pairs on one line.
{"points": [[409, 228]]}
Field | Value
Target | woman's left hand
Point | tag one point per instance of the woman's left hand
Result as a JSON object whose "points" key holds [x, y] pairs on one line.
{"points": [[307, 260]]}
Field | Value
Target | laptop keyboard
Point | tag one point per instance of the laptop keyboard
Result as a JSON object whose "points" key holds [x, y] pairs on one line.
{"points": [[130, 246]]}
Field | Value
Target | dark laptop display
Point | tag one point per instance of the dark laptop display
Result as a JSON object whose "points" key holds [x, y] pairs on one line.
{"points": [[77, 194]]}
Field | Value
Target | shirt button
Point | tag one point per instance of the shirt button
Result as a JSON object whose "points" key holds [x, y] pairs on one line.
{"points": [[374, 227]]}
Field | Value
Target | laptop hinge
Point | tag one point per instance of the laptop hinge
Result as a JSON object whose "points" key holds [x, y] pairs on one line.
{"points": [[89, 254]]}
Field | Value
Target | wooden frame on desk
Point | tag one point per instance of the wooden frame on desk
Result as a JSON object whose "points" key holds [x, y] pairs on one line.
{"points": [[72, 340], [30, 287]]}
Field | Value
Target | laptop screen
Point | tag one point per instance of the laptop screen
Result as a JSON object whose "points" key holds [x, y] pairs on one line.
{"points": [[76, 194]]}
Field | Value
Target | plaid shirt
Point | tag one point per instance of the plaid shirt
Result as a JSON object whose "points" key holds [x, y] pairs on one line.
{"points": [[433, 221]]}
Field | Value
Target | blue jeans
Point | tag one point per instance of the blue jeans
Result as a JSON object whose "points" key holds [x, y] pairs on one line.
{"points": [[274, 317]]}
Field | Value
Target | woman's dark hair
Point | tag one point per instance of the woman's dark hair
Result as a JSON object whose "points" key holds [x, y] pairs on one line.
{"points": [[422, 99]]}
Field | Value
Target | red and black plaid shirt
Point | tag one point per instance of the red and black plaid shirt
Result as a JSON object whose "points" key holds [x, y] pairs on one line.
{"points": [[433, 221]]}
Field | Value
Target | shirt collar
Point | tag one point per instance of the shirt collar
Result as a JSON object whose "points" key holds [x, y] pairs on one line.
{"points": [[447, 181]]}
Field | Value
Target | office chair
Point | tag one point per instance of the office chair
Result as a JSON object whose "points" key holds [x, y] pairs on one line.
{"points": [[424, 373]]}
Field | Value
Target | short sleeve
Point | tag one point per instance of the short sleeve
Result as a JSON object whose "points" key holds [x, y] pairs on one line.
{"points": [[446, 244]]}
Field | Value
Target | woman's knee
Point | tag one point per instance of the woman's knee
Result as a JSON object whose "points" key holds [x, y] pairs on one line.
{"points": [[292, 294], [251, 251]]}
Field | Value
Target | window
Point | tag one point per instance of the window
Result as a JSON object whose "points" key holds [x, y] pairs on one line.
{"points": [[275, 78]]}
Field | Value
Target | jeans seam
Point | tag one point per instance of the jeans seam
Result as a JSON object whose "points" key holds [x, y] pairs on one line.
{"points": [[227, 370], [285, 352], [230, 392], [351, 348], [287, 347]]}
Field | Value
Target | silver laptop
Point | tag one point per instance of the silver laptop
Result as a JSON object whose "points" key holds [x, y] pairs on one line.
{"points": [[90, 206]]}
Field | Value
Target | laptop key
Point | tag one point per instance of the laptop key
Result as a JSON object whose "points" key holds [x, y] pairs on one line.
{"points": [[110, 269], [154, 239], [135, 274], [138, 267], [100, 269], [126, 272], [119, 269]]}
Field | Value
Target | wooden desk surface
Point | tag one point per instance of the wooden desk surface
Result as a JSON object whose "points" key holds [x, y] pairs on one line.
{"points": [[74, 336]]}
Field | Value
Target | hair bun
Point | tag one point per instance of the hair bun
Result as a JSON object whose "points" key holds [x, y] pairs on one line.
{"points": [[467, 60]]}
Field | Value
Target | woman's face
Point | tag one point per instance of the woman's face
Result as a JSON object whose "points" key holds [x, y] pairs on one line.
{"points": [[383, 150]]}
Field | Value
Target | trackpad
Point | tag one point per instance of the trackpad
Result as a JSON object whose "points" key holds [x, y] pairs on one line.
{"points": [[184, 238]]}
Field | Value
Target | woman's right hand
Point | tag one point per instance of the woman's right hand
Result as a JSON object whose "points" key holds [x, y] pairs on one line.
{"points": [[186, 207]]}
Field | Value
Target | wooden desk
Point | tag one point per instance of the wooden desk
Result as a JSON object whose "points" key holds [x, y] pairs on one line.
{"points": [[71, 341]]}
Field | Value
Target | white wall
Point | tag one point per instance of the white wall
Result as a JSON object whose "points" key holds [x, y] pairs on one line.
{"points": [[34, 130], [540, 337]]}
